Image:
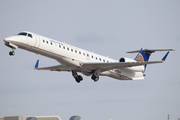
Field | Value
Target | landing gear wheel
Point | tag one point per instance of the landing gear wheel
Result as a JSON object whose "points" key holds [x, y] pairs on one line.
{"points": [[79, 79], [95, 78], [11, 53]]}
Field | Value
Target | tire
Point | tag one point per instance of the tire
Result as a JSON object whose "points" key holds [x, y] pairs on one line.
{"points": [[11, 53], [77, 80], [80, 77], [94, 78]]}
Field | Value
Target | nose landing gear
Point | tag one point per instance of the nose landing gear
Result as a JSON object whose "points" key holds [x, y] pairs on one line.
{"points": [[12, 46], [12, 53]]}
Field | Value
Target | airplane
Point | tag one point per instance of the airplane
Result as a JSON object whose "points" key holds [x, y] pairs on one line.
{"points": [[74, 59]]}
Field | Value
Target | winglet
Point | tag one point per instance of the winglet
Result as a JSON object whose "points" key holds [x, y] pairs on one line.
{"points": [[164, 58], [36, 65]]}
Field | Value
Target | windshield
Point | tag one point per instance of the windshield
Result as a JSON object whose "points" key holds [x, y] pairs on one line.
{"points": [[22, 33]]}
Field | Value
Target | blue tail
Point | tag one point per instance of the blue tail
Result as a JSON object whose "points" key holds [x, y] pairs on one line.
{"points": [[144, 54]]}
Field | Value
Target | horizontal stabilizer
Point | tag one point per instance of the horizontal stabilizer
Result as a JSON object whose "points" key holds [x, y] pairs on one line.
{"points": [[150, 50]]}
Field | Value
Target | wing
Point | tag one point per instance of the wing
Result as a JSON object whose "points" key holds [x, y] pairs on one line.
{"points": [[55, 68], [52, 68], [115, 65]]}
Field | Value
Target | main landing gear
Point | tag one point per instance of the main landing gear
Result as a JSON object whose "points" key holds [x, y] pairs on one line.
{"points": [[95, 76], [77, 77]]}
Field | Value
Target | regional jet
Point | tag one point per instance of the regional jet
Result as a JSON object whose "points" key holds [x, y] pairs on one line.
{"points": [[77, 60]]}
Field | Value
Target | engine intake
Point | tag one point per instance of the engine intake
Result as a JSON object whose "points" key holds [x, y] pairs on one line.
{"points": [[126, 60], [122, 60]]}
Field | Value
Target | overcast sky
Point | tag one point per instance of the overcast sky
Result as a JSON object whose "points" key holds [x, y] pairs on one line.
{"points": [[109, 28]]}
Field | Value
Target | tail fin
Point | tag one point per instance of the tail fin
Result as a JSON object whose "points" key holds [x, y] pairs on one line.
{"points": [[144, 54]]}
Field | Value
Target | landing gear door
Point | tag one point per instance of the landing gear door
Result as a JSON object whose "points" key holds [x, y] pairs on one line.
{"points": [[37, 41]]}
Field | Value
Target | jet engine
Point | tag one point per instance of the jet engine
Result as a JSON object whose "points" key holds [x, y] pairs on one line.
{"points": [[126, 60], [139, 68]]}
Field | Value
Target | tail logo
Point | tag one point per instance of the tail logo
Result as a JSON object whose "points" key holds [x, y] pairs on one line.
{"points": [[139, 57]]}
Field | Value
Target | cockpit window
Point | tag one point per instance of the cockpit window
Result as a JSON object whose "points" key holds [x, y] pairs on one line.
{"points": [[29, 35], [22, 33]]}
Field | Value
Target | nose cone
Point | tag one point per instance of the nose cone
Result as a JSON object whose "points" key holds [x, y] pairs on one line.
{"points": [[6, 40], [10, 42], [10, 39]]}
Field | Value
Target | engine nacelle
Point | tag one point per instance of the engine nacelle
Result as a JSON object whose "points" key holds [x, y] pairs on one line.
{"points": [[139, 68], [126, 60]]}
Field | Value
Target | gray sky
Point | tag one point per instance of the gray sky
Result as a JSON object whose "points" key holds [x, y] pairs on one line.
{"points": [[109, 28]]}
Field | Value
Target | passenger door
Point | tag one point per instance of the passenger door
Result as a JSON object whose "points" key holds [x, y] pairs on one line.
{"points": [[37, 41], [30, 39]]}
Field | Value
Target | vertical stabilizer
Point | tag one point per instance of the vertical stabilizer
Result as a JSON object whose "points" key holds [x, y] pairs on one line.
{"points": [[144, 54]]}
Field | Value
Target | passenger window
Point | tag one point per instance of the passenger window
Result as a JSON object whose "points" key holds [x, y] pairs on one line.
{"points": [[96, 58], [51, 43], [75, 51], [43, 40], [87, 55], [103, 60], [107, 61], [64, 47], [67, 48], [47, 42], [29, 35], [84, 54], [71, 50], [92, 56], [59, 46], [100, 59], [79, 52]]}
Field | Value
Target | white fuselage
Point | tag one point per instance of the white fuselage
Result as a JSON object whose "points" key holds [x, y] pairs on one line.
{"points": [[68, 55]]}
